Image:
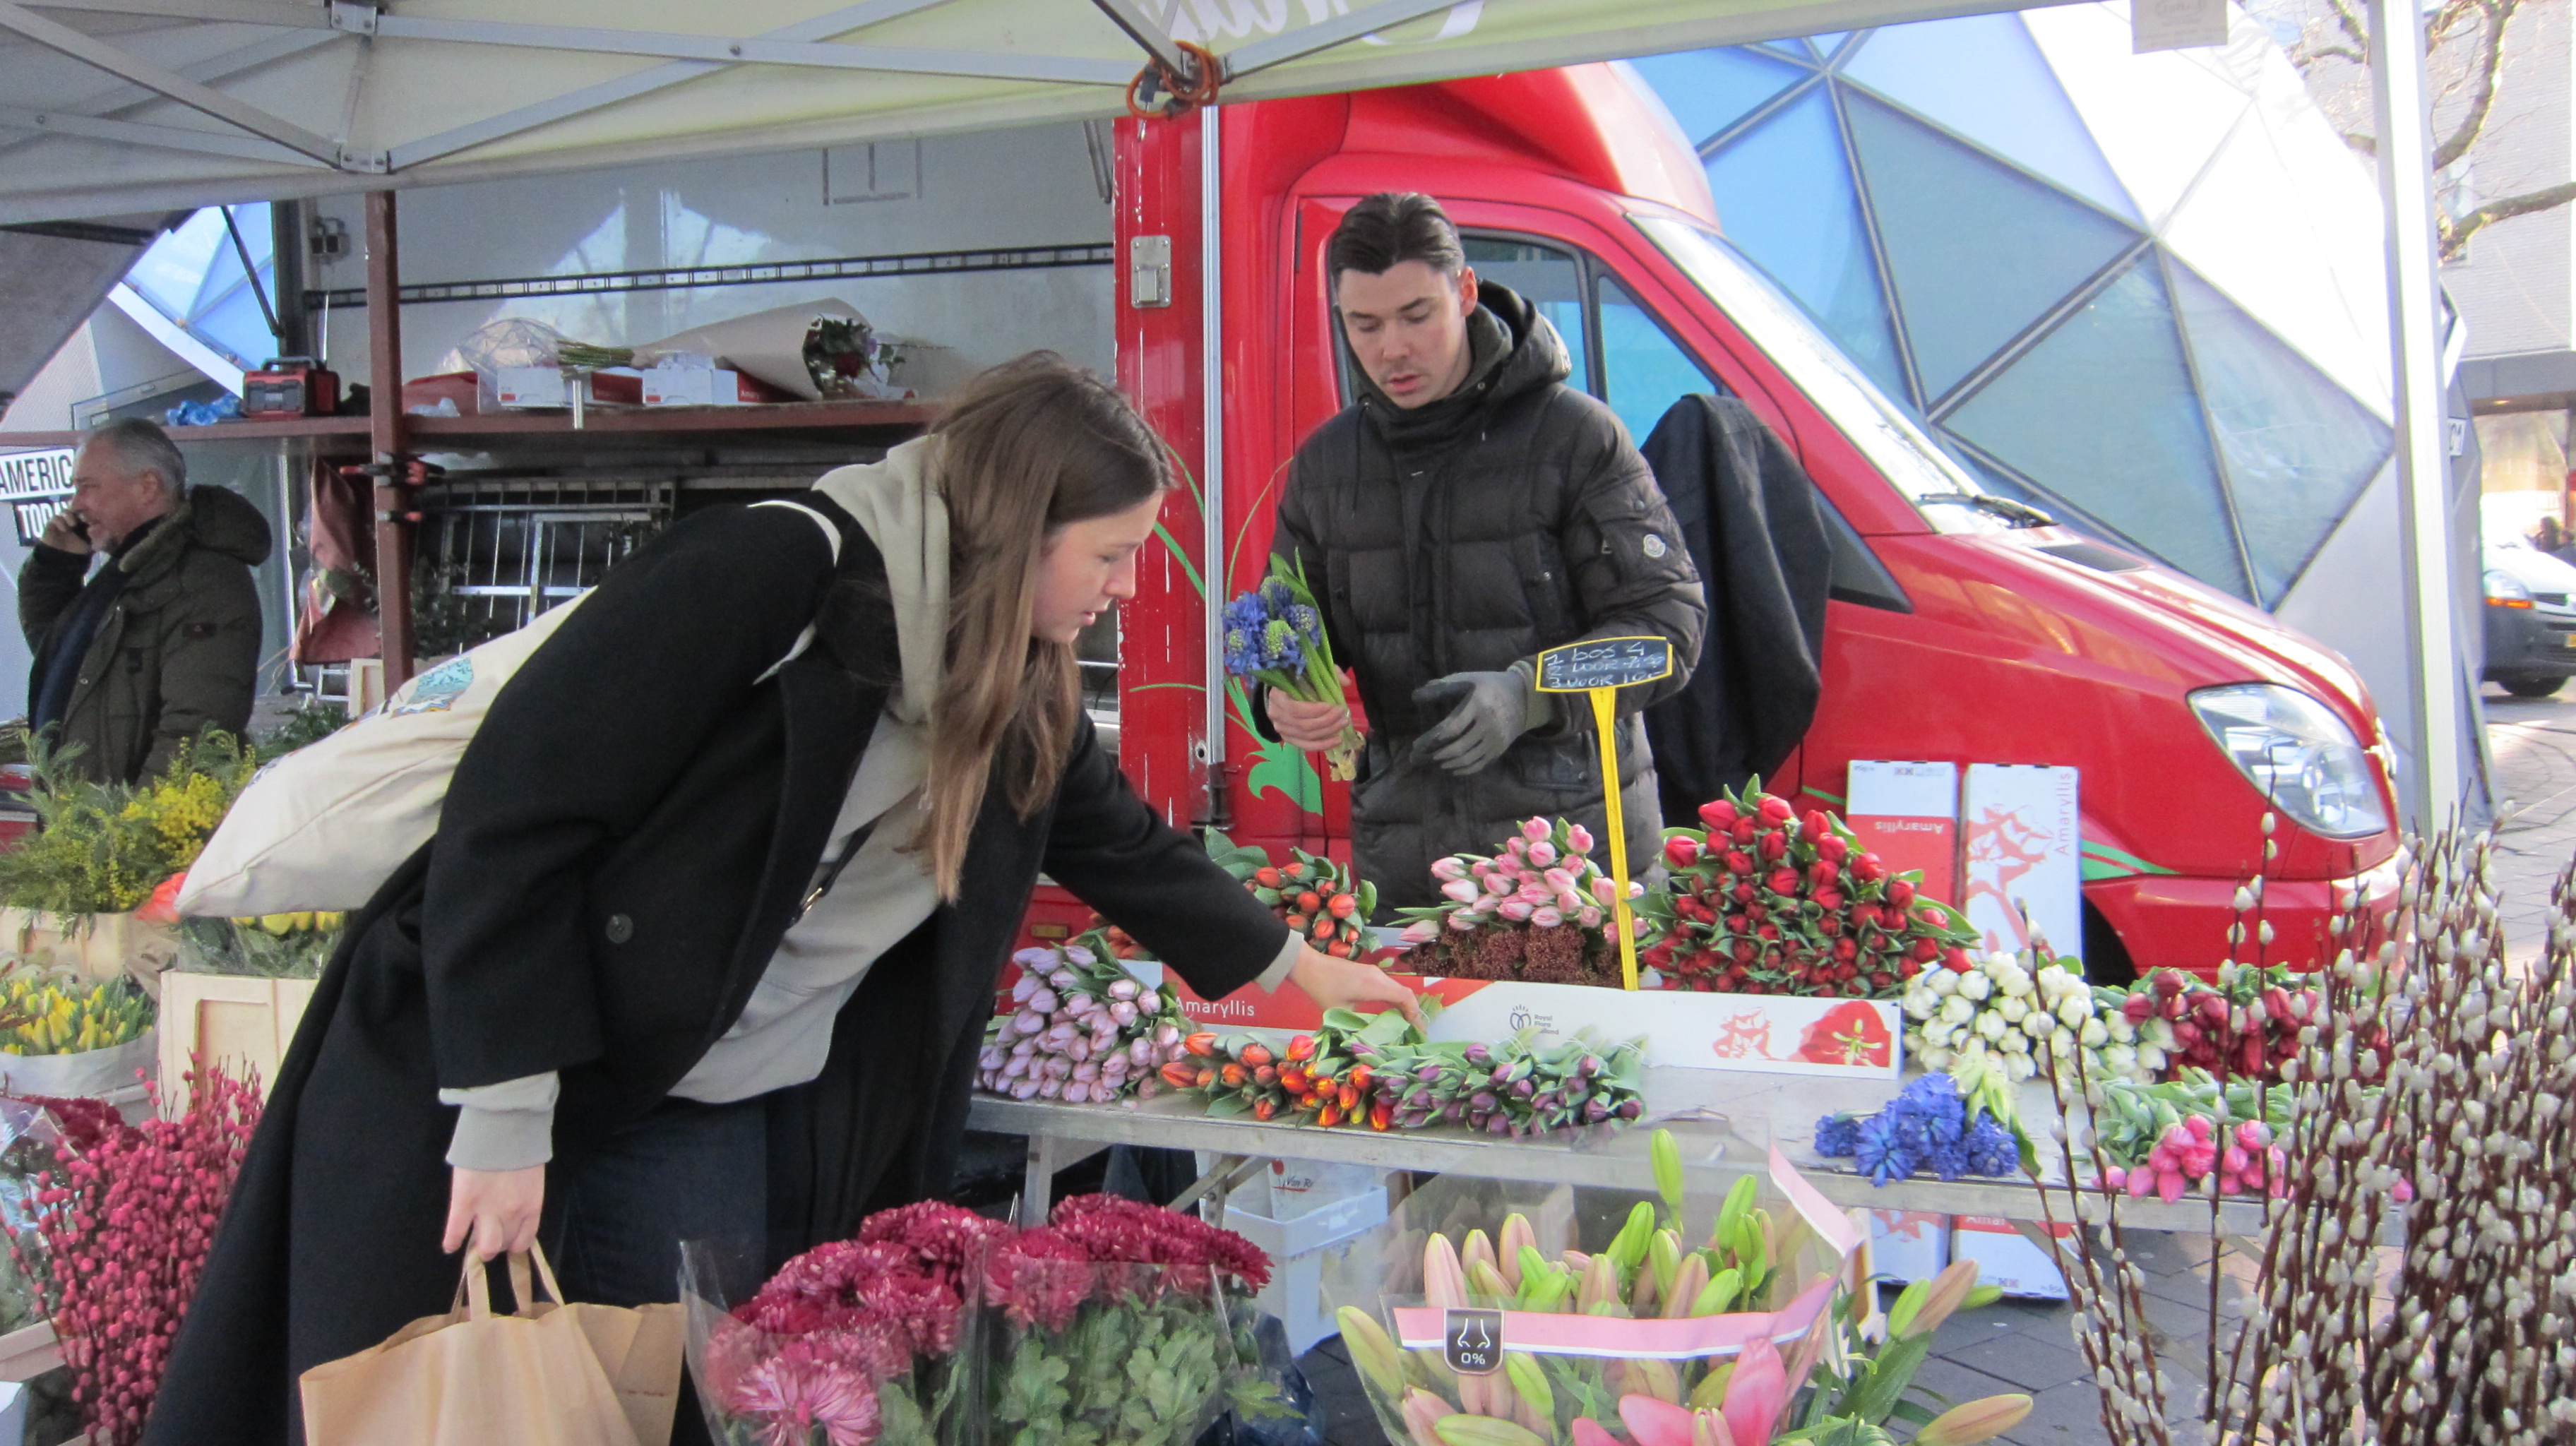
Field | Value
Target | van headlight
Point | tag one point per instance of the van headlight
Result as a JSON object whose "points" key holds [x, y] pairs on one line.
{"points": [[2506, 590], [2297, 754]]}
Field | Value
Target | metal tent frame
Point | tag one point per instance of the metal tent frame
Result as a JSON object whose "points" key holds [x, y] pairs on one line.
{"points": [[134, 105]]}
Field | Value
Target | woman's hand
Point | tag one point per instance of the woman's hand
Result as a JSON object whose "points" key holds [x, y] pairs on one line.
{"points": [[1349, 984], [498, 1209], [1313, 727]]}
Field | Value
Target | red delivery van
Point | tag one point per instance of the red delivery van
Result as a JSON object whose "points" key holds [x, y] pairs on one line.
{"points": [[1962, 626]]}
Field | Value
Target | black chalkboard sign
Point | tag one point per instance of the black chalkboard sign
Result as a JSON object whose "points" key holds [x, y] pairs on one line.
{"points": [[1604, 663]]}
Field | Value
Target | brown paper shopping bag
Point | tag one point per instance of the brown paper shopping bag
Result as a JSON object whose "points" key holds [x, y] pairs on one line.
{"points": [[551, 1375]]}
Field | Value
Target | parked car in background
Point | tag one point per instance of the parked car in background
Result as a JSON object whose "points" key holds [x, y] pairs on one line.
{"points": [[2530, 618]]}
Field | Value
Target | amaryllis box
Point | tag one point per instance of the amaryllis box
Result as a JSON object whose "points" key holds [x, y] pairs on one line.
{"points": [[2021, 857], [1755, 1033], [1908, 814]]}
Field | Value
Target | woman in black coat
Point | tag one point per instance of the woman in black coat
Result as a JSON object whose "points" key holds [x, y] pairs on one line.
{"points": [[709, 931]]}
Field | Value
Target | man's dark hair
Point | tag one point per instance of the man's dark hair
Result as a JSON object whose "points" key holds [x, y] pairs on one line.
{"points": [[1390, 228]]}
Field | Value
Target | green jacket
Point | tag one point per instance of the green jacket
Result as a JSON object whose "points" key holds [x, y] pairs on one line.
{"points": [[178, 652]]}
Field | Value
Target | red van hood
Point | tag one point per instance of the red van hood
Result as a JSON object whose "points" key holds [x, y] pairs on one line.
{"points": [[2210, 637]]}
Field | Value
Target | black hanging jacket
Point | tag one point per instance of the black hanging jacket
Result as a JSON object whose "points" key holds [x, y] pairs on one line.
{"points": [[1749, 516]]}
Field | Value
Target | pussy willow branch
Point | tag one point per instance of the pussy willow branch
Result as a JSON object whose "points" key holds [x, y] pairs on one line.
{"points": [[2472, 1110], [2111, 1328]]}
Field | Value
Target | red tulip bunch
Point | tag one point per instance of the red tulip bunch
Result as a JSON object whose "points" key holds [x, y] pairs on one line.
{"points": [[2245, 1024], [126, 1214], [1766, 900]]}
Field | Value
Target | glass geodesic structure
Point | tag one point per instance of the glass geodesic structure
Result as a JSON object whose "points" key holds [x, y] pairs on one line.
{"points": [[2144, 293]]}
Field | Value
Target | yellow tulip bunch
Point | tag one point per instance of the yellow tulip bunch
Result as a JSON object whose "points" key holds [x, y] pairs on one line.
{"points": [[282, 925], [43, 1014]]}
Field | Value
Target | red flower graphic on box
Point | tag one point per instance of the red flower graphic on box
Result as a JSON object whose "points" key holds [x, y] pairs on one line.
{"points": [[1853, 1033], [1745, 1035]]}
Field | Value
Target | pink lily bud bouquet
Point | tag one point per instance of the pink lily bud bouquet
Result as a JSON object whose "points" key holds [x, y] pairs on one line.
{"points": [[1522, 1337]]}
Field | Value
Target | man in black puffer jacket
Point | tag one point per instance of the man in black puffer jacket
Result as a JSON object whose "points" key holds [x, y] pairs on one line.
{"points": [[1468, 512]]}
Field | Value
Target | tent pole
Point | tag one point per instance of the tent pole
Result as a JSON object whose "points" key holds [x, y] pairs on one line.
{"points": [[2433, 789], [1212, 389], [385, 439]]}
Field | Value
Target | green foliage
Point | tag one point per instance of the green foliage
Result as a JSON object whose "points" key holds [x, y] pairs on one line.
{"points": [[1133, 1374], [102, 848], [310, 723]]}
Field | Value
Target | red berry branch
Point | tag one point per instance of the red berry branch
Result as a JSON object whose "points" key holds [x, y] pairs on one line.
{"points": [[125, 1215]]}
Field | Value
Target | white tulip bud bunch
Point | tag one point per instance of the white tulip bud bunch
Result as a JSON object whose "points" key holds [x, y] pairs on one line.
{"points": [[2022, 1013]]}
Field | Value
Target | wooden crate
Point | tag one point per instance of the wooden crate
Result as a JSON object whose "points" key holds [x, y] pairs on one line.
{"points": [[29, 1352], [243, 1023], [100, 946]]}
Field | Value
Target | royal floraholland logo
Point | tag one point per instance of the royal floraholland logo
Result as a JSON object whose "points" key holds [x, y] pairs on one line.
{"points": [[1522, 1017]]}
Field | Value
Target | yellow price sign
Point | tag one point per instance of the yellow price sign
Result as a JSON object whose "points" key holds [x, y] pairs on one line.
{"points": [[1601, 667]]}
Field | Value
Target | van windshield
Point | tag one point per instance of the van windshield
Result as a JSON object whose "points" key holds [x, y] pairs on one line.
{"points": [[1948, 496]]}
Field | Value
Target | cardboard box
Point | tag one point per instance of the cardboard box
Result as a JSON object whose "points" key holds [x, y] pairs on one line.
{"points": [[1756, 1033], [1908, 815], [1908, 1245], [703, 387], [2021, 857], [2007, 1259], [523, 387]]}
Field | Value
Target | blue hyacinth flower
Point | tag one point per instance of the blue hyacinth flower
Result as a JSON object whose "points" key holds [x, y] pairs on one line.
{"points": [[1880, 1151], [1838, 1135]]}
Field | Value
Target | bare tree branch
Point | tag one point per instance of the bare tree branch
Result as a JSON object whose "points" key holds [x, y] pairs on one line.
{"points": [[2484, 73], [2367, 145], [2349, 21], [2456, 233]]}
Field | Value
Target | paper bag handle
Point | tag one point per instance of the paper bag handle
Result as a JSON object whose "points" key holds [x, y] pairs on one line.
{"points": [[476, 1288]]}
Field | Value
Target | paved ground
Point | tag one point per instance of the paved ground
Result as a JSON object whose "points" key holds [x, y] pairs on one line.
{"points": [[2534, 746], [2028, 1346]]}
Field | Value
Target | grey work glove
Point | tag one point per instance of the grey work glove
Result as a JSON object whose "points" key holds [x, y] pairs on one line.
{"points": [[1486, 712]]}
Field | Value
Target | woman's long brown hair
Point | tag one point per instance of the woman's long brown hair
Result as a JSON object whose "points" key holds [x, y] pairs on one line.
{"points": [[1031, 446]]}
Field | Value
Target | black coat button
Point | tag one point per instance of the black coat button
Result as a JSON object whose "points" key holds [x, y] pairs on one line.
{"points": [[620, 928]]}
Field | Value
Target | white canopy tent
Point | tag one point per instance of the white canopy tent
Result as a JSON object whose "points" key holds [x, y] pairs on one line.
{"points": [[124, 106]]}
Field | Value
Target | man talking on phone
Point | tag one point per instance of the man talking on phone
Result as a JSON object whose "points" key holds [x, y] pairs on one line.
{"points": [[161, 643]]}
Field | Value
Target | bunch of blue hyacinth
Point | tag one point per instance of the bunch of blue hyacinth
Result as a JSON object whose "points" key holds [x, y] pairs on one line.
{"points": [[1928, 1126], [1275, 637]]}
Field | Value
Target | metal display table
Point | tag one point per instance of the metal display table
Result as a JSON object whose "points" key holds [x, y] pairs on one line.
{"points": [[1725, 1123]]}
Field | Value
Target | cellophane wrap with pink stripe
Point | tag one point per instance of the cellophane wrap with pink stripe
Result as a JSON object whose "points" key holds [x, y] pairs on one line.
{"points": [[1597, 1296]]}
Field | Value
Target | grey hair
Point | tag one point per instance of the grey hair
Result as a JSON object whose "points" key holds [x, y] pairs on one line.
{"points": [[143, 447]]}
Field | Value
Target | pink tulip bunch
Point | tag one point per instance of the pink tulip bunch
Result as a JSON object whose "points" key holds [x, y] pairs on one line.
{"points": [[126, 1214], [1539, 910], [1543, 877], [2245, 1161]]}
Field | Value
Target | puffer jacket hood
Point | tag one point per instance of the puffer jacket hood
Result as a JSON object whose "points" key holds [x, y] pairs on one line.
{"points": [[215, 518]]}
